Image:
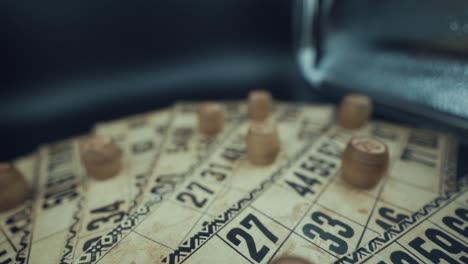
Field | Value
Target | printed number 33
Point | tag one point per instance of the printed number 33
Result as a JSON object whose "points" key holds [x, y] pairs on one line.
{"points": [[339, 246]]}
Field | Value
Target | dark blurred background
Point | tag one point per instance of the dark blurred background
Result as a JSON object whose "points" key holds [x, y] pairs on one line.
{"points": [[70, 64]]}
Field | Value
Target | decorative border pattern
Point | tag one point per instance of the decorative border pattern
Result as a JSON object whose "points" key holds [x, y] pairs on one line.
{"points": [[448, 182], [141, 186], [211, 228], [67, 256], [108, 241], [26, 239], [74, 229], [21, 253], [449, 171], [376, 244], [189, 246]]}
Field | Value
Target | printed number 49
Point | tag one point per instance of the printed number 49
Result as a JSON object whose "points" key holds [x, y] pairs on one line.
{"points": [[338, 245], [237, 232]]}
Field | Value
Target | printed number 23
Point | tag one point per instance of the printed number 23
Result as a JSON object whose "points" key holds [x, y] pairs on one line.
{"points": [[247, 223], [339, 246]]}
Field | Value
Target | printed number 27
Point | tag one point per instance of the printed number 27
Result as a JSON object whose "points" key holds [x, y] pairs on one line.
{"points": [[247, 223]]}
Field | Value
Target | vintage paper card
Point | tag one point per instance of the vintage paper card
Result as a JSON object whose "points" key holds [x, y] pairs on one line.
{"points": [[15, 224], [55, 207], [436, 233], [306, 209], [211, 187], [105, 203], [182, 149]]}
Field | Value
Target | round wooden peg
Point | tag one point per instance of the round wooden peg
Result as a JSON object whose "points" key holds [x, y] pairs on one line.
{"points": [[260, 104], [354, 111], [210, 118], [290, 260], [101, 157], [14, 189], [364, 162], [262, 143]]}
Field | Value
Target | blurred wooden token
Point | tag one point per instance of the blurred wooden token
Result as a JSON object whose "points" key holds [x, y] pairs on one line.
{"points": [[262, 143], [354, 111], [260, 104], [364, 161], [13, 187], [290, 260], [210, 118], [101, 157]]}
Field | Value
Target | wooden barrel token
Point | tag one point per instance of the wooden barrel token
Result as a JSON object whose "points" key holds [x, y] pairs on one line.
{"points": [[290, 260], [364, 162], [101, 157], [262, 143], [260, 104], [210, 118], [354, 111], [14, 189]]}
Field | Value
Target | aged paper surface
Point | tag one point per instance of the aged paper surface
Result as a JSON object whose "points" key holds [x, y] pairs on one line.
{"points": [[182, 149], [297, 206], [185, 147], [211, 187], [55, 207], [15, 224], [105, 203], [142, 137], [437, 232], [63, 185], [305, 209]]}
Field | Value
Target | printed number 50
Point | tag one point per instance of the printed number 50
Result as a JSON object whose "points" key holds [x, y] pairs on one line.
{"points": [[247, 223]]}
